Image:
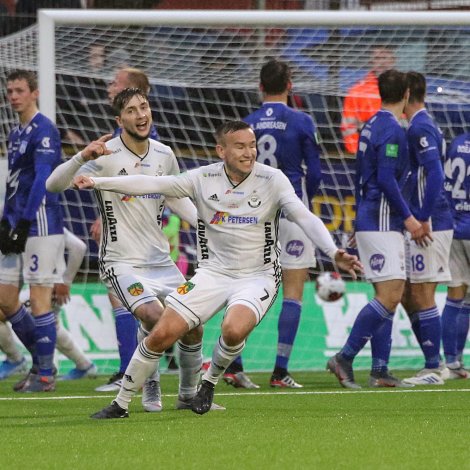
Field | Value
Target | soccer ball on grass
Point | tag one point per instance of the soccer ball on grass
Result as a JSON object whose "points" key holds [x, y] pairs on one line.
{"points": [[330, 286]]}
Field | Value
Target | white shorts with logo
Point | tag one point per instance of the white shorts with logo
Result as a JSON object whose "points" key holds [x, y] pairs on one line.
{"points": [[136, 286], [382, 254], [297, 251], [207, 292], [40, 264], [459, 263], [429, 263]]}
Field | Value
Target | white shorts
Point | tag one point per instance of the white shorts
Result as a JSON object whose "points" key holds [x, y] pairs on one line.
{"points": [[38, 265], [199, 299], [297, 251], [382, 254], [459, 263], [136, 286], [429, 263]]}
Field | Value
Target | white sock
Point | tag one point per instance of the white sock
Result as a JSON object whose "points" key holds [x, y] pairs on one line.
{"points": [[142, 333], [143, 364], [67, 346], [8, 345], [190, 362], [222, 357]]}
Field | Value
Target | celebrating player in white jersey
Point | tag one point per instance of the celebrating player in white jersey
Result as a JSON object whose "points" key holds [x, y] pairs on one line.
{"points": [[134, 256], [239, 202]]}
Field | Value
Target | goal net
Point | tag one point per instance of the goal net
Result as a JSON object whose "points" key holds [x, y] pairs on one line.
{"points": [[204, 69]]}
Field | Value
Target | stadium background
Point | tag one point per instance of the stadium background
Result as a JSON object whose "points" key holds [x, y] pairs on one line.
{"points": [[82, 106]]}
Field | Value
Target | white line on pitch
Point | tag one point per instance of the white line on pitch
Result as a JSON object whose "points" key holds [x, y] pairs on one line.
{"points": [[331, 392]]}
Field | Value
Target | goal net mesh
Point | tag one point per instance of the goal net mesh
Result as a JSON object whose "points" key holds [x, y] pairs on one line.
{"points": [[203, 76]]}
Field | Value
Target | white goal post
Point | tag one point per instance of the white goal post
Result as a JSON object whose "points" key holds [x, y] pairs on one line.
{"points": [[48, 19]]}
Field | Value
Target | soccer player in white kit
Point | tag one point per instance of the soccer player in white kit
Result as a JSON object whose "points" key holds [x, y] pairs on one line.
{"points": [[134, 256], [239, 203]]}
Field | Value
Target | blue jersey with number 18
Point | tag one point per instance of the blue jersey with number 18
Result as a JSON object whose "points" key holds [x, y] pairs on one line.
{"points": [[457, 171], [286, 139]]}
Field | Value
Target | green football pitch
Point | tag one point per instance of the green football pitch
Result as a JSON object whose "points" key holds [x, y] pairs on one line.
{"points": [[320, 426]]}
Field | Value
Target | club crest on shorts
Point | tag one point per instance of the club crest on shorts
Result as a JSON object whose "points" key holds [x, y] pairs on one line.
{"points": [[135, 289], [185, 288]]}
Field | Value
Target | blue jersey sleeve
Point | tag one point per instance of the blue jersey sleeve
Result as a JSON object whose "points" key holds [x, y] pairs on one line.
{"points": [[311, 150], [46, 155]]}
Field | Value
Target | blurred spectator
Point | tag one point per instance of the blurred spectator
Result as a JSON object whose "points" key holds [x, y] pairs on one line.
{"points": [[363, 100]]}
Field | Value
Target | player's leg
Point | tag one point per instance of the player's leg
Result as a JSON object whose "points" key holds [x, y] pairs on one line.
{"points": [[382, 254], [297, 255], [14, 361], [144, 362]]}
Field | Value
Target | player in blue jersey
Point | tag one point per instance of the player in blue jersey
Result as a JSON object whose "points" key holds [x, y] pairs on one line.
{"points": [[287, 139], [31, 228], [381, 217], [427, 265], [456, 313], [126, 325]]}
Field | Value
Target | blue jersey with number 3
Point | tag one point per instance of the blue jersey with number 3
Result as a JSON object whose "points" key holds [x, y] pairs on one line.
{"points": [[286, 139], [457, 171]]}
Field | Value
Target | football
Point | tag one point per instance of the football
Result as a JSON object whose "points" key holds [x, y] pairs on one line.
{"points": [[330, 286]]}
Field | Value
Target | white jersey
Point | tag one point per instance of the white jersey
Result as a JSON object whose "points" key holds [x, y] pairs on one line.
{"points": [[132, 224], [237, 225]]}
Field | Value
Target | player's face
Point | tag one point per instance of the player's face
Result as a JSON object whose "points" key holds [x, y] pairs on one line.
{"points": [[136, 118], [238, 153], [120, 82], [20, 97]]}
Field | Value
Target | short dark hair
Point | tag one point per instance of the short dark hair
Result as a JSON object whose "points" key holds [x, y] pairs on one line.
{"points": [[274, 76], [392, 86], [417, 86], [27, 75], [229, 127], [123, 97], [137, 79]]}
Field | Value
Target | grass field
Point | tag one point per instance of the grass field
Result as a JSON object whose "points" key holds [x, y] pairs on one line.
{"points": [[318, 427]]}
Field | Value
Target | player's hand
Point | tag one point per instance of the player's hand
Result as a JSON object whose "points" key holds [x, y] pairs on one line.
{"points": [[417, 232], [61, 293], [83, 182], [349, 263], [5, 240], [97, 148], [95, 230], [20, 235]]}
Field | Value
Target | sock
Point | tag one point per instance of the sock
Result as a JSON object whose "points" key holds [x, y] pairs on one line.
{"points": [[8, 345], [142, 365], [369, 319], [235, 366], [126, 333], [463, 321], [24, 327], [381, 345], [414, 320], [449, 318], [430, 330], [142, 333], [287, 326], [222, 356], [46, 336], [67, 346], [190, 359]]}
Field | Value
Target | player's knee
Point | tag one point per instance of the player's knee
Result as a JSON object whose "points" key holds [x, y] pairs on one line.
{"points": [[149, 313], [233, 334], [194, 336]]}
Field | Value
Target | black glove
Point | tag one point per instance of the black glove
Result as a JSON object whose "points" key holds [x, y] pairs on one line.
{"points": [[5, 240], [20, 235]]}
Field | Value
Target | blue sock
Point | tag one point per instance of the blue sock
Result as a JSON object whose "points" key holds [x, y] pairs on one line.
{"points": [[367, 322], [238, 361], [414, 320], [24, 327], [381, 345], [287, 327], [46, 335], [449, 318], [126, 333], [430, 330], [463, 321]]}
